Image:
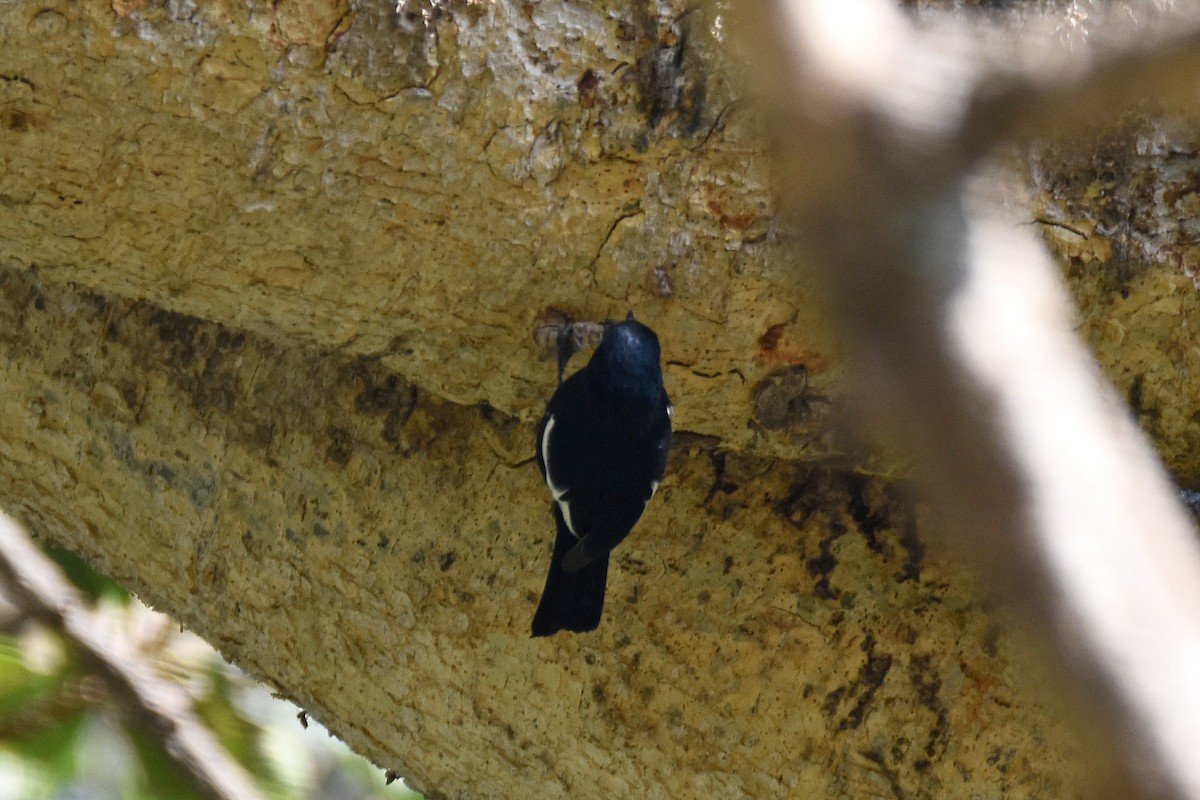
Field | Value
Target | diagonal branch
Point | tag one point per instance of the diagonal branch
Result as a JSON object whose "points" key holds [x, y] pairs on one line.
{"points": [[37, 586], [963, 346]]}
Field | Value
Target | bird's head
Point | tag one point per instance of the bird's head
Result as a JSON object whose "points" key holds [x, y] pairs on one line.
{"points": [[627, 359]]}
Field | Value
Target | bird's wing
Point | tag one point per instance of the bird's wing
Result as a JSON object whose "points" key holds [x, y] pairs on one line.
{"points": [[612, 518], [563, 452], [662, 440]]}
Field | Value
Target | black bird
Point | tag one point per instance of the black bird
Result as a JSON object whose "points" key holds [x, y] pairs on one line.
{"points": [[602, 448]]}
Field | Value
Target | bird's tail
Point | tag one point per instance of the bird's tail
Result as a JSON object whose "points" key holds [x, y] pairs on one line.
{"points": [[571, 601]]}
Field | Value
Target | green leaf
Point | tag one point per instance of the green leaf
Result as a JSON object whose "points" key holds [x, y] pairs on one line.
{"points": [[236, 734], [22, 688], [55, 747], [162, 779], [86, 579]]}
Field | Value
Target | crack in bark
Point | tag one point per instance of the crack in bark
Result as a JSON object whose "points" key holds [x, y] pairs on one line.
{"points": [[708, 375], [621, 217]]}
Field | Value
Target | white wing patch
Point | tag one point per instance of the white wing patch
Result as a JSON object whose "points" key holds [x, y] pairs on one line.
{"points": [[554, 490], [654, 484], [565, 507], [557, 492]]}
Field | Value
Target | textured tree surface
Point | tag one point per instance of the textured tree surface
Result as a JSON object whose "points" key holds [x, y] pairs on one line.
{"points": [[270, 279]]}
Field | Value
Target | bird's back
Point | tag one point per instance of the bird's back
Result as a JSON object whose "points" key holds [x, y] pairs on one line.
{"points": [[601, 439]]}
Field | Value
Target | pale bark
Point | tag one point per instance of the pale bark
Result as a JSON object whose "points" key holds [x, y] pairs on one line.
{"points": [[270, 276]]}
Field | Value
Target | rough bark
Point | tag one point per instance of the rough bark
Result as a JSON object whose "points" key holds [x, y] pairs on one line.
{"points": [[269, 280], [420, 187]]}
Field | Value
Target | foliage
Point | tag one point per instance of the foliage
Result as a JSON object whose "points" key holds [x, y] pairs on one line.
{"points": [[64, 734]]}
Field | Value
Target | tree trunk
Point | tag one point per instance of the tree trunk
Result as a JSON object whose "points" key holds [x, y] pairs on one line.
{"points": [[271, 279]]}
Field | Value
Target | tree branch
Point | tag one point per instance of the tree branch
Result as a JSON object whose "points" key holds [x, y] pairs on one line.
{"points": [[963, 345], [1159, 62], [37, 586]]}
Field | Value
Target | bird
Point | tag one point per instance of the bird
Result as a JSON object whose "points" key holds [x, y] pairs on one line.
{"points": [[602, 448]]}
